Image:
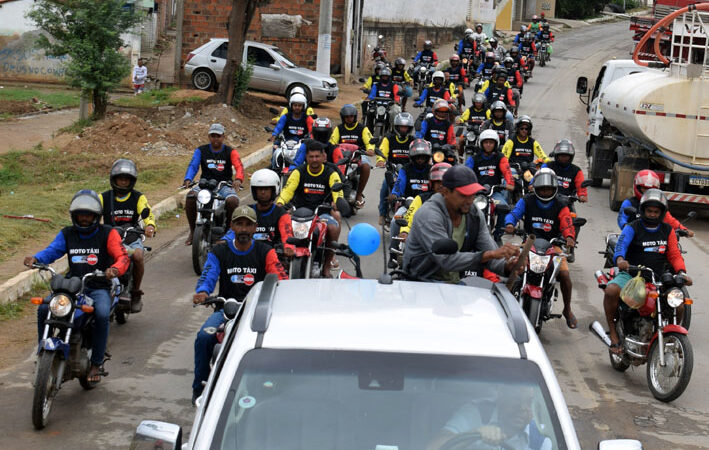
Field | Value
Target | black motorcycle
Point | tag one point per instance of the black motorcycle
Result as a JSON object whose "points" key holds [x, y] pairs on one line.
{"points": [[378, 111], [211, 221], [129, 234], [444, 153]]}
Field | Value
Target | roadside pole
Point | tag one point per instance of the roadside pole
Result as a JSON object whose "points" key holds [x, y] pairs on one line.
{"points": [[324, 37]]}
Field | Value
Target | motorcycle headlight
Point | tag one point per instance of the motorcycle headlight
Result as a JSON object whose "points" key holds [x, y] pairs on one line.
{"points": [[538, 263], [439, 157], [301, 229], [204, 196], [290, 153], [471, 137], [480, 202], [515, 174], [381, 110], [675, 297], [60, 305]]}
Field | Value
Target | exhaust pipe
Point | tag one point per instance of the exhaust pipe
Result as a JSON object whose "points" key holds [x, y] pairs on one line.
{"points": [[597, 329]]}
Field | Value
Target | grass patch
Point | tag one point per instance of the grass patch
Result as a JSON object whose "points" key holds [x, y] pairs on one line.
{"points": [[156, 97], [11, 310], [54, 98], [22, 306], [5, 116], [76, 127]]}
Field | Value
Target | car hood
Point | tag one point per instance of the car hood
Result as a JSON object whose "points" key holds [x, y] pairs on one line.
{"points": [[313, 75]]}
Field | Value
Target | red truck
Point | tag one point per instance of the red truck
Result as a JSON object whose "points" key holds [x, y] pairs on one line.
{"points": [[642, 24]]}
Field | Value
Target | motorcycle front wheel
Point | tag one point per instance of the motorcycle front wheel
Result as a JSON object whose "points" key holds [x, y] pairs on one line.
{"points": [[533, 308], [669, 382], [45, 388], [297, 268], [200, 249]]}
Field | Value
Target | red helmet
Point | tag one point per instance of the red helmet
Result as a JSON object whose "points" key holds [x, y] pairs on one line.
{"points": [[437, 171], [454, 58], [542, 14], [647, 179]]}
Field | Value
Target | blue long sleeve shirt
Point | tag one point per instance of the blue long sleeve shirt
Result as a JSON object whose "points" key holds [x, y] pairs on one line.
{"points": [[418, 57], [210, 274], [280, 125], [400, 185], [55, 250], [193, 167], [624, 240], [299, 157], [516, 214], [623, 219], [422, 97], [422, 132]]}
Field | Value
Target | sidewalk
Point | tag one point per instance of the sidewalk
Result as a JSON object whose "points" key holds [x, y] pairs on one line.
{"points": [[161, 66]]}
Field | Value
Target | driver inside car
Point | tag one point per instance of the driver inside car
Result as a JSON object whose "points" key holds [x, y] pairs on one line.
{"points": [[507, 424]]}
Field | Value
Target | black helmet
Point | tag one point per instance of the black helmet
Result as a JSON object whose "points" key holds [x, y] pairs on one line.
{"points": [[419, 147], [524, 119], [124, 167], [322, 129], [514, 49], [508, 60], [564, 147], [348, 110], [85, 201], [502, 73], [400, 61], [427, 45], [545, 178], [653, 197]]}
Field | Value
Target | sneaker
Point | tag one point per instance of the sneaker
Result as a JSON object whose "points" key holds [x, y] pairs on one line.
{"points": [[393, 263], [195, 396], [136, 302]]}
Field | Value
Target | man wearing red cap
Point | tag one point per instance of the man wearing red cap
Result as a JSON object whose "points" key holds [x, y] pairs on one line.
{"points": [[452, 215]]}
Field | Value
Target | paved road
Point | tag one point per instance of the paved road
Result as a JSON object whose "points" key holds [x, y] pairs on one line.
{"points": [[151, 371]]}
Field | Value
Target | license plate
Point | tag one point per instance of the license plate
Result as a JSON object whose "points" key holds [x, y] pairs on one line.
{"points": [[698, 181]]}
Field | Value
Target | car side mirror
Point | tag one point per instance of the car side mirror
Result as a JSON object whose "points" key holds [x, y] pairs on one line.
{"points": [[444, 247], [274, 66], [155, 434], [620, 444], [630, 211], [343, 207], [581, 85], [586, 183]]}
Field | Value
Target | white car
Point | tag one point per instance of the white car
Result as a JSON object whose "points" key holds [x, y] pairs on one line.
{"points": [[273, 72], [356, 364]]}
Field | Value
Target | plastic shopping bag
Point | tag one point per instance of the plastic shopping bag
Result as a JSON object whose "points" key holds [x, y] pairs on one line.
{"points": [[634, 293]]}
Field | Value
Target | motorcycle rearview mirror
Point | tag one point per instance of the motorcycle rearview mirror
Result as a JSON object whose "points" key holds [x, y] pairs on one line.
{"points": [[503, 209], [579, 221], [459, 132], [378, 152], [375, 140], [231, 308], [691, 215], [581, 85], [268, 129], [343, 207], [337, 187], [402, 222], [586, 183], [361, 80], [444, 247], [145, 213], [341, 162], [273, 110], [630, 211]]}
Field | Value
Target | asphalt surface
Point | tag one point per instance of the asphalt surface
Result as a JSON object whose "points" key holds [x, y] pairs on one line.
{"points": [[151, 370]]}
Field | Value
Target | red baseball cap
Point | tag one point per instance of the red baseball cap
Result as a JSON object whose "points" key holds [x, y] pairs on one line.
{"points": [[462, 179]]}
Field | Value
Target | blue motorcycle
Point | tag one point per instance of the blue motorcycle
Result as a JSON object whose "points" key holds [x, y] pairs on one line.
{"points": [[64, 351]]}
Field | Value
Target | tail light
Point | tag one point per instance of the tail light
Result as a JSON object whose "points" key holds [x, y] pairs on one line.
{"points": [[189, 56]]}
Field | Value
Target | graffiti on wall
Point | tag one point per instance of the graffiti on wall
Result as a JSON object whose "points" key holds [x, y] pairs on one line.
{"points": [[21, 60]]}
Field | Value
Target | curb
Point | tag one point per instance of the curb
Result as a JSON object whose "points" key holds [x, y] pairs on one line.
{"points": [[21, 283]]}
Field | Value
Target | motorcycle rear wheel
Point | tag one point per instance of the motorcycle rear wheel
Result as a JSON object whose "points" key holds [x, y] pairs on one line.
{"points": [[45, 389], [121, 317], [679, 361], [200, 249]]}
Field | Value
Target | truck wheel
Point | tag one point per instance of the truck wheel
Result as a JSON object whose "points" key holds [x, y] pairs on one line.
{"points": [[614, 200], [593, 170]]}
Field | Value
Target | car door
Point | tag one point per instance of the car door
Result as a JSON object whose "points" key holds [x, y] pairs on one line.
{"points": [[268, 73], [217, 60]]}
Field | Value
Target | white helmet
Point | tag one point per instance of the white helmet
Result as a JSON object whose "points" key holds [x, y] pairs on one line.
{"points": [[468, 31], [298, 98], [265, 178], [297, 90], [491, 135], [438, 74]]}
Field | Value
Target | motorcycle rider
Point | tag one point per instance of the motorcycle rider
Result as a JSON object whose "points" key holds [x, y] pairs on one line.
{"points": [[644, 180], [492, 168], [474, 117], [648, 241], [89, 246], [413, 180], [528, 49], [500, 91], [322, 132], [547, 36], [238, 264], [519, 36], [497, 49], [518, 63], [546, 216], [451, 215], [400, 76], [435, 91], [367, 86], [485, 67], [438, 129], [385, 88], [350, 131], [499, 122], [522, 147], [457, 75], [435, 179], [514, 78], [395, 149], [468, 46], [125, 206], [427, 55], [310, 186], [296, 125], [534, 25], [479, 35], [309, 111], [216, 161], [570, 175]]}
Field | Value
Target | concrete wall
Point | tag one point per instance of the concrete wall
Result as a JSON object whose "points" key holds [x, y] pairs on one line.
{"points": [[446, 13], [12, 17]]}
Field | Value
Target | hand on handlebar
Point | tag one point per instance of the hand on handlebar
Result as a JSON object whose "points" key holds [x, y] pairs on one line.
{"points": [[381, 163], [199, 298], [29, 260], [510, 187], [289, 252], [186, 183], [510, 229], [570, 242], [623, 265], [583, 198], [271, 138], [111, 273], [149, 231], [690, 233]]}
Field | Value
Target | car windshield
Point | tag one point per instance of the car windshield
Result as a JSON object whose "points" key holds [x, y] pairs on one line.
{"points": [[316, 399], [284, 58]]}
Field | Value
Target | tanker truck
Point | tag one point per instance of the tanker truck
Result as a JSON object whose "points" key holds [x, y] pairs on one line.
{"points": [[656, 117]]}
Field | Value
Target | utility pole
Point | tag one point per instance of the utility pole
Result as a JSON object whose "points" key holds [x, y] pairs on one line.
{"points": [[324, 37], [180, 7]]}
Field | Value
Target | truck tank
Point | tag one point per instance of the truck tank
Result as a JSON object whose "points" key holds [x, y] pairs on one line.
{"points": [[663, 110]]}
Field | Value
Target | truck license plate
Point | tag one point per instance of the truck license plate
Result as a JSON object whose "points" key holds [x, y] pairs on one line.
{"points": [[698, 181]]}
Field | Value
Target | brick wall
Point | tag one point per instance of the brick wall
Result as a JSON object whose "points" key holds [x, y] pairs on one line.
{"points": [[205, 19]]}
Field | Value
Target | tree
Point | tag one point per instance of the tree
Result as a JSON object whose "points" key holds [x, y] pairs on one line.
{"points": [[579, 9], [242, 11], [89, 32]]}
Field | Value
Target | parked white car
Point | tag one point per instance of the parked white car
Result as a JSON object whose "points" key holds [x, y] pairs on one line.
{"points": [[356, 364], [274, 72]]}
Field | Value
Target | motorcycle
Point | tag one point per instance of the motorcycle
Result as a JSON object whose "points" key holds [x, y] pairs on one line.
{"points": [[472, 137], [283, 157], [653, 334], [64, 351], [211, 221], [543, 54], [309, 237], [444, 153], [349, 167], [128, 235], [231, 308], [378, 110], [485, 203], [421, 74], [537, 290], [522, 172]]}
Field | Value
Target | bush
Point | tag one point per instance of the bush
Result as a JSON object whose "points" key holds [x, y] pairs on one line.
{"points": [[579, 9], [242, 76]]}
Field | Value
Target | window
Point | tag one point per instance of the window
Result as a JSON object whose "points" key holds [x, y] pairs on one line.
{"points": [[220, 52], [259, 56]]}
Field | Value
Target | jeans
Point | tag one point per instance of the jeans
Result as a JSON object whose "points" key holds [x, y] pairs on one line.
{"points": [[395, 228], [225, 191], [203, 348], [500, 198], [102, 309]]}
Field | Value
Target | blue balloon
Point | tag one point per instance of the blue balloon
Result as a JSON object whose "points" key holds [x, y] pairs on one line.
{"points": [[363, 239]]}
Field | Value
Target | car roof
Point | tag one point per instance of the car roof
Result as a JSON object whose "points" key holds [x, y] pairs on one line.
{"points": [[254, 43], [410, 317]]}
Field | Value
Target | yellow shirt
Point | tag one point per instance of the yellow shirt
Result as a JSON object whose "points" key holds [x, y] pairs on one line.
{"points": [[142, 204], [384, 147], [309, 111], [294, 181], [466, 115], [538, 151], [366, 136], [486, 84]]}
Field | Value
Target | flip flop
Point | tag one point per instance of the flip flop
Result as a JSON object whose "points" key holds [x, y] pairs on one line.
{"points": [[359, 204], [188, 242], [571, 321], [94, 375], [616, 349]]}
